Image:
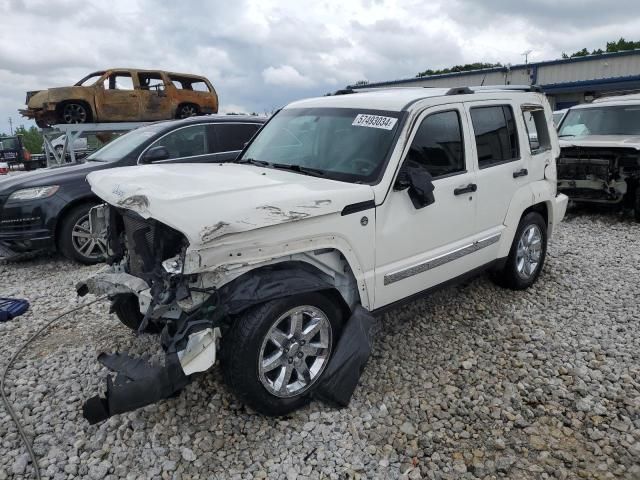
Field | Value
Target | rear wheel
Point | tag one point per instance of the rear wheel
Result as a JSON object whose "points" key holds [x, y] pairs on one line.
{"points": [[527, 254], [636, 206], [75, 240], [275, 353]]}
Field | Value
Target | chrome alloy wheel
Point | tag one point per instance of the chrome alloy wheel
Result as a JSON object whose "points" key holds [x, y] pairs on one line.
{"points": [[295, 351], [529, 252], [87, 244]]}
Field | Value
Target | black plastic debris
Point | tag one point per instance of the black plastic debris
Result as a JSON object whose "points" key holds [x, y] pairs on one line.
{"points": [[137, 384], [269, 283], [343, 372], [11, 308]]}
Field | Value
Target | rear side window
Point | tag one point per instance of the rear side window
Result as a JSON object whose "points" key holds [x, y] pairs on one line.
{"points": [[438, 145], [150, 81], [496, 134], [233, 136], [188, 83], [537, 130]]}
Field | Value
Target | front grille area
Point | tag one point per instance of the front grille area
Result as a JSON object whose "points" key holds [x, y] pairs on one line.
{"points": [[148, 243], [582, 163]]}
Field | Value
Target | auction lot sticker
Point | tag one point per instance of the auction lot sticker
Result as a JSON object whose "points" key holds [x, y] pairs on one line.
{"points": [[374, 121]]}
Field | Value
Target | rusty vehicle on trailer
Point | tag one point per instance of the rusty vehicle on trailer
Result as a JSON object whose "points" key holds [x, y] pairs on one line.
{"points": [[123, 95]]}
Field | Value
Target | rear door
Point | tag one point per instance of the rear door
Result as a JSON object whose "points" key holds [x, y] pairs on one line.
{"points": [[502, 163], [154, 101]]}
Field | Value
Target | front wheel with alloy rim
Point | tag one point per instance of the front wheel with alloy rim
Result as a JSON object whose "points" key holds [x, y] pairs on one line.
{"points": [[75, 113], [275, 353], [77, 242], [527, 254]]}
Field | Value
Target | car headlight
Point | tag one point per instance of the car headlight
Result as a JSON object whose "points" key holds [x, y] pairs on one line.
{"points": [[33, 193]]}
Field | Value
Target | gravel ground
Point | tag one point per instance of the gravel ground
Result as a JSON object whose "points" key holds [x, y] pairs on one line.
{"points": [[472, 382]]}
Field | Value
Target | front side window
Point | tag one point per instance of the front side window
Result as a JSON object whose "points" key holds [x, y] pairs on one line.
{"points": [[537, 131], [341, 143], [119, 81], [616, 120], [233, 136], [185, 142], [438, 144], [496, 135]]}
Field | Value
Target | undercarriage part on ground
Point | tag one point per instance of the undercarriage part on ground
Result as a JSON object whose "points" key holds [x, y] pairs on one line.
{"points": [[348, 361], [602, 175], [137, 384]]}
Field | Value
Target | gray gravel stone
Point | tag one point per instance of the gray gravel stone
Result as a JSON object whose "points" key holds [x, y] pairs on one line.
{"points": [[471, 382]]}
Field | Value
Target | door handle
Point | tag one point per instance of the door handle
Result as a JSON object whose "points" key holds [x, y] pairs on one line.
{"points": [[523, 172], [472, 187]]}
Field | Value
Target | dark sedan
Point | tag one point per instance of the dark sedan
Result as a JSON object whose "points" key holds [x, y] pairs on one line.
{"points": [[49, 209]]}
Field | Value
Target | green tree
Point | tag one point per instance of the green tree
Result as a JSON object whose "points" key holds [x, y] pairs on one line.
{"points": [[31, 138], [459, 68]]}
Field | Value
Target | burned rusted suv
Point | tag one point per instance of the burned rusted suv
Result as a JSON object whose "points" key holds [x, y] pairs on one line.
{"points": [[123, 95]]}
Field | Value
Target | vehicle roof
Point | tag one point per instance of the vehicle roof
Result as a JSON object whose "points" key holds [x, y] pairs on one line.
{"points": [[212, 119], [143, 70], [610, 102], [401, 98]]}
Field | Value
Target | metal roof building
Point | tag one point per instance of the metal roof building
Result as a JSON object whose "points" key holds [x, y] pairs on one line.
{"points": [[566, 82]]}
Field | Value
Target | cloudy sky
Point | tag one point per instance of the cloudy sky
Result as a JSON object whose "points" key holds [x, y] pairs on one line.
{"points": [[261, 54]]}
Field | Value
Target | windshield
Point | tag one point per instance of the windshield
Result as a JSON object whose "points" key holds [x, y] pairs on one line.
{"points": [[8, 143], [90, 79], [618, 120], [338, 143], [127, 143]]}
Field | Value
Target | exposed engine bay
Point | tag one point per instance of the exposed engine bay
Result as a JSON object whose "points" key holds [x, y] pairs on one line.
{"points": [[598, 174]]}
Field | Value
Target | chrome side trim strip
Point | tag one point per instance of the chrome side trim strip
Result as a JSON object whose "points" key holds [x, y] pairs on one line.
{"points": [[441, 259]]}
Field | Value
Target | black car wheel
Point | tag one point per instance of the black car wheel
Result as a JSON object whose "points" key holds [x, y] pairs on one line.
{"points": [[127, 309], [75, 240], [75, 113], [274, 354], [527, 254], [187, 110]]}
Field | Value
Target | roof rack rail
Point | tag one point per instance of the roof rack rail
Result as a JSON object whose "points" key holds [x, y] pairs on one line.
{"points": [[522, 88], [459, 91], [344, 91]]}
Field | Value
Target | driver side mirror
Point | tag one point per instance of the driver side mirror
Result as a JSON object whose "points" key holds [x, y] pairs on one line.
{"points": [[419, 183], [156, 154]]}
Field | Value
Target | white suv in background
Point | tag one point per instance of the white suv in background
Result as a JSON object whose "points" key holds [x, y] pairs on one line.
{"points": [[346, 203]]}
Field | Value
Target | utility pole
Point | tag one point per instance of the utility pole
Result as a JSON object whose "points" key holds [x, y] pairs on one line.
{"points": [[11, 125], [526, 54]]}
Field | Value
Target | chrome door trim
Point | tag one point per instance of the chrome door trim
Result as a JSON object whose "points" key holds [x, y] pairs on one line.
{"points": [[441, 259]]}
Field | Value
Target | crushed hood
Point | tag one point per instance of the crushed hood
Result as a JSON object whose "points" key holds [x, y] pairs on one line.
{"points": [[602, 141], [208, 201]]}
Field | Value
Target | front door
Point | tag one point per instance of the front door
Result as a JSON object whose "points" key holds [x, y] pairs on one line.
{"points": [[117, 100], [418, 248]]}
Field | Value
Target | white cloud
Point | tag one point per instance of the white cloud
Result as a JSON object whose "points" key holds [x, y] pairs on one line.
{"points": [[286, 76], [263, 54]]}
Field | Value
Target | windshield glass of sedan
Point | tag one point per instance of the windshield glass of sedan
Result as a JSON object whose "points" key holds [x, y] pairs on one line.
{"points": [[344, 144], [617, 120], [127, 143]]}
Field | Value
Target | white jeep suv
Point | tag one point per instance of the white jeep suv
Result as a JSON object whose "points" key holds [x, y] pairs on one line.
{"points": [[347, 203]]}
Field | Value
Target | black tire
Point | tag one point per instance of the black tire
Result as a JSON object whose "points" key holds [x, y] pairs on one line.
{"points": [[127, 309], [636, 205], [242, 345], [70, 245], [74, 112], [187, 110], [513, 277]]}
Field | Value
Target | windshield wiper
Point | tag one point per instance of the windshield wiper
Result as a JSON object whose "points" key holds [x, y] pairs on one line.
{"points": [[253, 161], [300, 169]]}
